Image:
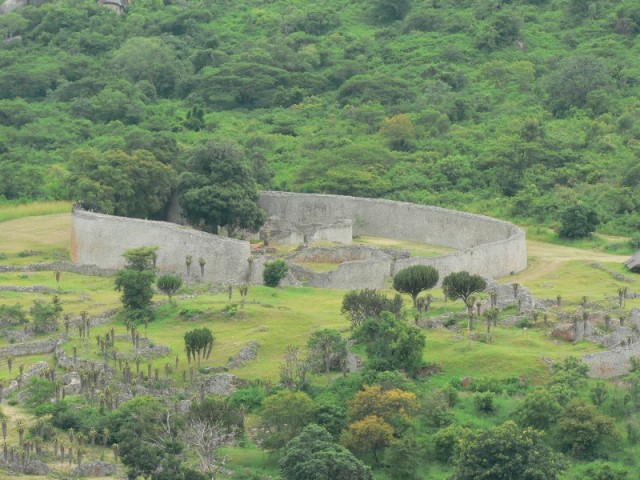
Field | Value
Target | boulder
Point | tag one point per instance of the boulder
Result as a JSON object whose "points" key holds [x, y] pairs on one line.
{"points": [[96, 468]]}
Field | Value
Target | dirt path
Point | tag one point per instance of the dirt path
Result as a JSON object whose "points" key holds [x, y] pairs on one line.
{"points": [[546, 258]]}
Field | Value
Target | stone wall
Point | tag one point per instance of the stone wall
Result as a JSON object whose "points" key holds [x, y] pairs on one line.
{"points": [[616, 361], [278, 231], [487, 246], [101, 239], [31, 348]]}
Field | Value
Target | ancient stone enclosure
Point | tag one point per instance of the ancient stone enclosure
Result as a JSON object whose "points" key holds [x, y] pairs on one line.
{"points": [[483, 245]]}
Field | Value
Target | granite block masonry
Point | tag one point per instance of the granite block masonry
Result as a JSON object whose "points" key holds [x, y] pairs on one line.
{"points": [[485, 246]]}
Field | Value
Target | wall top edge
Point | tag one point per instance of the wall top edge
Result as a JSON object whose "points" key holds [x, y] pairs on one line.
{"points": [[80, 213], [515, 230]]}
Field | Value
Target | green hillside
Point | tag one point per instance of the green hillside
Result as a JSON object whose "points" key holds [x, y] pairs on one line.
{"points": [[512, 108]]}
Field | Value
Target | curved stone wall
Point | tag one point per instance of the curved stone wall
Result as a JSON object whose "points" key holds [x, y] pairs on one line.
{"points": [[100, 240], [486, 246]]}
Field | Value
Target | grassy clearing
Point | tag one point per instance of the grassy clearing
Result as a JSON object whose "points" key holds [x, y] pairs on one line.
{"points": [[512, 353], [45, 237], [597, 242], [416, 249], [319, 267], [11, 211], [274, 317], [567, 271], [26, 360]]}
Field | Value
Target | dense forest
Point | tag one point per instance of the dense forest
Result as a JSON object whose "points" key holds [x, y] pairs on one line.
{"points": [[513, 107]]}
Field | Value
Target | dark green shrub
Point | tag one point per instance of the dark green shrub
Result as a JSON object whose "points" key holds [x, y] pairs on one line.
{"points": [[483, 402], [578, 221], [250, 398], [274, 272], [634, 242]]}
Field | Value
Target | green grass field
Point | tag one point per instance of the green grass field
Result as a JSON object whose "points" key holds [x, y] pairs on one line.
{"points": [[280, 317]]}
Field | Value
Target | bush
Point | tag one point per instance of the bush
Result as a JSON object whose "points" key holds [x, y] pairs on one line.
{"points": [[605, 471], [578, 221], [250, 398], [358, 305], [634, 242], [483, 402], [446, 442], [274, 272]]}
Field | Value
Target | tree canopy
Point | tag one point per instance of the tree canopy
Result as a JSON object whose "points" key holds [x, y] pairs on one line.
{"points": [[391, 344], [135, 281], [461, 285], [507, 452], [415, 279], [218, 189], [358, 305], [313, 455]]}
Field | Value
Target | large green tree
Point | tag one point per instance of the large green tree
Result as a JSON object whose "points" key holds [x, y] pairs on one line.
{"points": [[506, 453], [218, 189], [312, 455], [327, 349], [578, 221], [135, 281], [392, 344], [285, 415], [151, 59], [148, 436], [358, 305], [118, 183]]}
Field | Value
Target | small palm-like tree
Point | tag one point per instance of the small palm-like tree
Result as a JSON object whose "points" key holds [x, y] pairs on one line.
{"points": [[202, 263], [20, 428], [105, 436], [3, 419], [188, 260], [93, 433]]}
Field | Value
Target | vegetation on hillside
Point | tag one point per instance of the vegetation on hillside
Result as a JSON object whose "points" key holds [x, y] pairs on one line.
{"points": [[514, 108]]}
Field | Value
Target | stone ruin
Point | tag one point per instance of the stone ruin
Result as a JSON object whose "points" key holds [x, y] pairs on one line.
{"points": [[278, 231], [481, 244]]}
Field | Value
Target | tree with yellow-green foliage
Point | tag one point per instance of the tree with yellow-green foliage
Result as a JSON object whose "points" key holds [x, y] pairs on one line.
{"points": [[368, 435], [389, 404]]}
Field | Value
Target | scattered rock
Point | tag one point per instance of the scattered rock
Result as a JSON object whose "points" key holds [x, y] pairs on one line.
{"points": [[564, 331], [249, 352], [354, 363], [220, 384], [97, 468]]}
